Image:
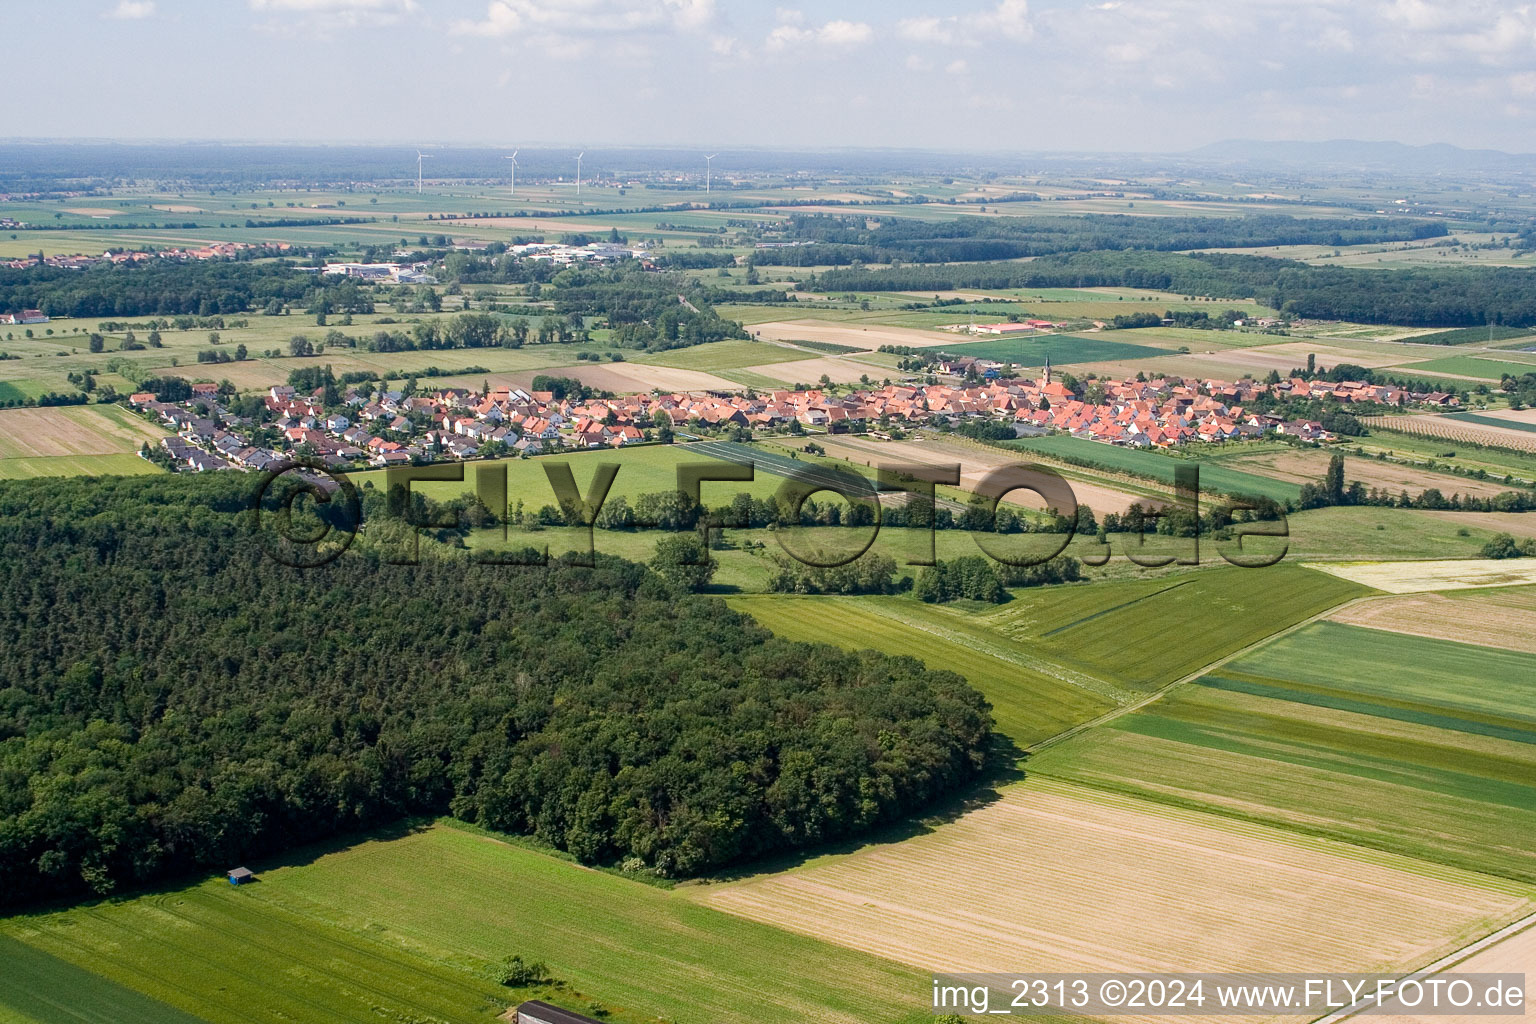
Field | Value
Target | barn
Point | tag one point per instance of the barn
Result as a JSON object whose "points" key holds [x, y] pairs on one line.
{"points": [[535, 1011]]}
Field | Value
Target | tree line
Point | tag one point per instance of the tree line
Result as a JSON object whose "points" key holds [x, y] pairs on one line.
{"points": [[203, 288], [1412, 296], [843, 239]]}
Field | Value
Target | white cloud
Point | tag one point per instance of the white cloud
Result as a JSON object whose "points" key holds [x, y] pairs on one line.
{"points": [[536, 18], [332, 6], [915, 62], [132, 10], [323, 17], [1008, 20], [957, 67], [834, 33]]}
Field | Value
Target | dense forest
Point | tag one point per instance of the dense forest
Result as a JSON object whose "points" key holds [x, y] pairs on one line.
{"points": [[171, 699], [842, 240], [1414, 296]]}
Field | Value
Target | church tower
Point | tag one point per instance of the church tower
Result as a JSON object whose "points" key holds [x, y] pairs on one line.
{"points": [[1047, 379]]}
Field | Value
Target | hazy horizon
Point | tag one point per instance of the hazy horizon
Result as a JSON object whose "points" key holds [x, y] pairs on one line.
{"points": [[1124, 76]]}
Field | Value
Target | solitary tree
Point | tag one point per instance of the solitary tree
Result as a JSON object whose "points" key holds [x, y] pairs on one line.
{"points": [[683, 559]]}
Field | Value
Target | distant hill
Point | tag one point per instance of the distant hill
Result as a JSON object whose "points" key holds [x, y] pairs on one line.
{"points": [[1355, 154]]}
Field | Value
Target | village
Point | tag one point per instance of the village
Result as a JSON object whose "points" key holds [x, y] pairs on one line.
{"points": [[211, 251], [390, 427]]}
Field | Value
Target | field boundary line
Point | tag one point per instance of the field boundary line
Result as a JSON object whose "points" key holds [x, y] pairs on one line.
{"points": [[1162, 691], [1466, 952]]}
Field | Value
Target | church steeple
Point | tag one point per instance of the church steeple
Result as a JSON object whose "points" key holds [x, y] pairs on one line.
{"points": [[1047, 368]]}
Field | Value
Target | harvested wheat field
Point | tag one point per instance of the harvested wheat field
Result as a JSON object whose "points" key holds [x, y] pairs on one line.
{"points": [[1498, 618], [1448, 574], [72, 430], [1331, 355], [632, 377], [809, 371], [1057, 877], [1527, 416], [1308, 467], [1514, 955], [1519, 524], [975, 463], [869, 338]]}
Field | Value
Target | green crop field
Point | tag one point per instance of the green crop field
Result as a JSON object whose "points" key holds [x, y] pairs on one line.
{"points": [[1420, 746], [76, 465], [1492, 421], [1470, 335], [724, 355], [1470, 366], [1213, 475], [1055, 656], [1031, 700], [1142, 634], [405, 929], [37, 987], [1063, 350]]}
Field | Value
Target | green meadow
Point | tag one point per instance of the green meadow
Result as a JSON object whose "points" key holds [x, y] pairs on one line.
{"points": [[406, 929]]}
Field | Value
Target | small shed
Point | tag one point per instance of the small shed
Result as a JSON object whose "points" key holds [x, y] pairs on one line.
{"points": [[536, 1011], [239, 876]]}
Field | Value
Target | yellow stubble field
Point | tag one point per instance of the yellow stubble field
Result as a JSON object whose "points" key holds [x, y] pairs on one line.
{"points": [[1053, 876]]}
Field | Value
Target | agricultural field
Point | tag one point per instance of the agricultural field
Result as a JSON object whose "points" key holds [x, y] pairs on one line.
{"points": [[1214, 475], [1061, 349], [1032, 698], [1470, 366], [868, 338], [1354, 533], [810, 371], [976, 461], [1424, 747], [646, 469], [1447, 574], [1471, 335], [1511, 419], [406, 928], [75, 440], [1307, 466], [1512, 955], [721, 355], [1063, 877], [1121, 631], [1504, 618], [626, 377], [1493, 433]]}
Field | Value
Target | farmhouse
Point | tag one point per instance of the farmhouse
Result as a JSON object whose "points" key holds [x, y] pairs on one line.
{"points": [[535, 1011]]}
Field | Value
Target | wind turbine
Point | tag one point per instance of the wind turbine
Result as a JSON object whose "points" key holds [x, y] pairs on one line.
{"points": [[578, 170], [706, 171], [513, 158], [420, 156]]}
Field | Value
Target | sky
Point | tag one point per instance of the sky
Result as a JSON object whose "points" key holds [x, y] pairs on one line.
{"points": [[1010, 75]]}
